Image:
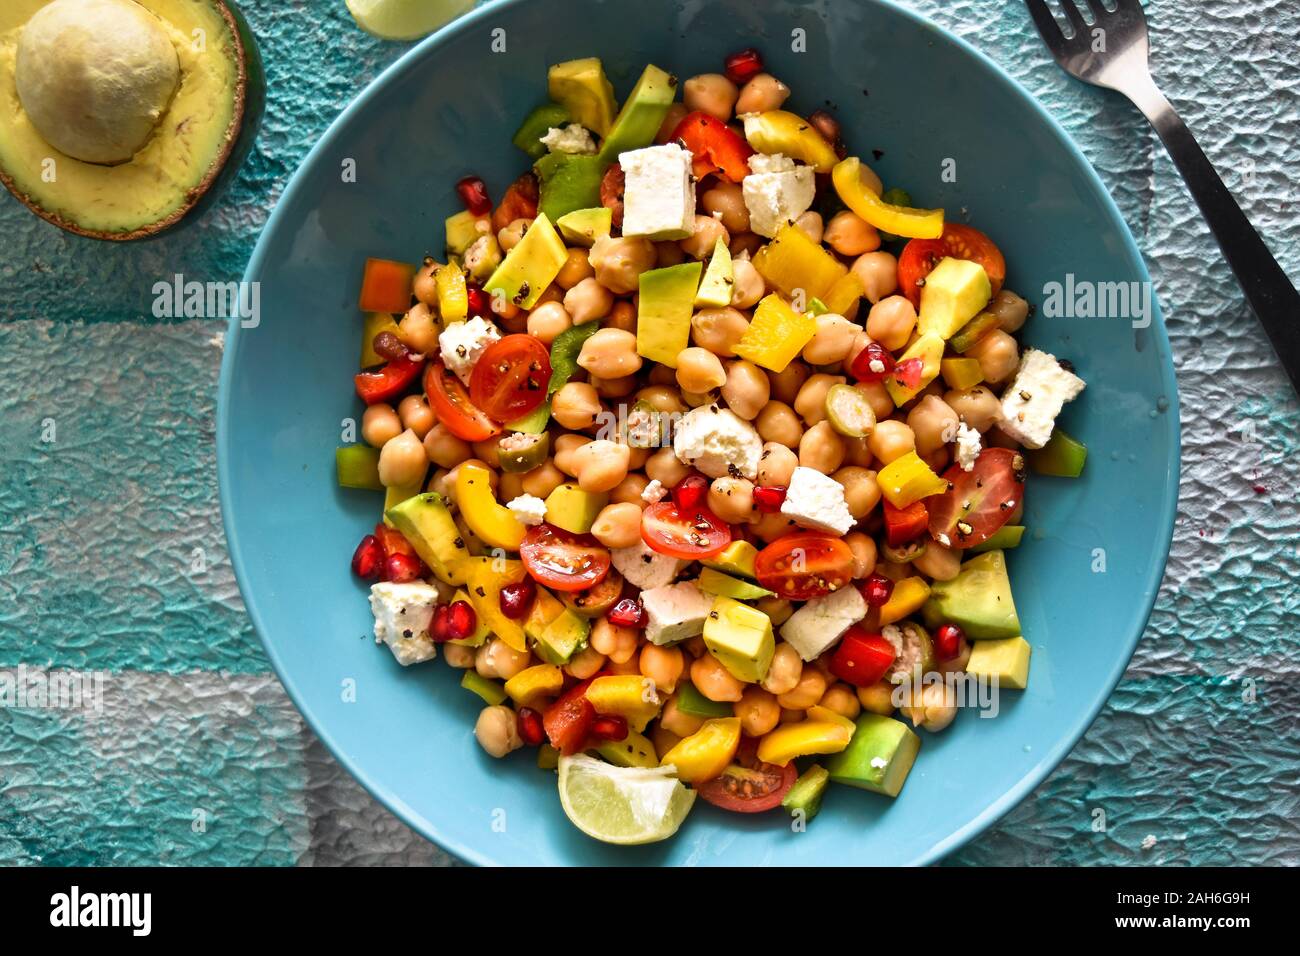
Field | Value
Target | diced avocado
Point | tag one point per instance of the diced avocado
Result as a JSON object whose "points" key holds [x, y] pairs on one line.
{"points": [[546, 608], [530, 266], [582, 227], [953, 294], [521, 452], [736, 558], [805, 797], [490, 690], [534, 423], [571, 508], [634, 750], [563, 638], [642, 114], [961, 373], [358, 467], [428, 525], [929, 349], [1007, 659], [375, 323], [536, 125], [667, 299], [878, 758], [1004, 539], [974, 330], [741, 638], [464, 229], [715, 289], [1062, 456], [394, 495], [568, 182], [715, 582], [580, 86], [694, 704], [978, 599]]}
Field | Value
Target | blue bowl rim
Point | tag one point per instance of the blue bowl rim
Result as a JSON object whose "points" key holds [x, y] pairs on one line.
{"points": [[995, 810]]}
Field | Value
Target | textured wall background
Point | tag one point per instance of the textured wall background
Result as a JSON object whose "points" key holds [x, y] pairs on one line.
{"points": [[112, 556]]}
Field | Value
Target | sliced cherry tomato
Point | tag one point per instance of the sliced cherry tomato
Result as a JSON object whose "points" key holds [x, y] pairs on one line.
{"points": [[510, 378], [980, 501], [385, 384], [805, 564], [749, 785], [386, 286], [957, 242], [611, 194], [715, 146], [905, 524], [519, 202], [690, 534], [568, 721], [908, 374], [863, 658], [563, 561], [452, 405]]}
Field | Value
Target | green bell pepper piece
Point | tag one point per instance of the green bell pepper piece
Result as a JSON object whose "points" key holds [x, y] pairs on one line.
{"points": [[491, 691], [358, 467], [691, 701], [564, 354], [806, 794], [1062, 456], [895, 197], [535, 125]]}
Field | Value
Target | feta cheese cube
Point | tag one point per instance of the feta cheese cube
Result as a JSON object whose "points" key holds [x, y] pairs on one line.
{"points": [[815, 627], [403, 613], [1035, 397], [655, 491], [968, 446], [718, 442], [658, 192], [816, 501], [675, 612], [529, 509], [571, 139], [644, 568], [461, 344], [776, 192]]}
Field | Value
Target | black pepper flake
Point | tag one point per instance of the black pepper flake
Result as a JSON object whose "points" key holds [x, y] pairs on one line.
{"points": [[480, 592], [713, 615], [1066, 364], [407, 632], [877, 154], [459, 542], [646, 558]]}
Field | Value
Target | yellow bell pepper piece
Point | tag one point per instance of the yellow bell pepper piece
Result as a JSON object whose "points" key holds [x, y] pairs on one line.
{"points": [[453, 297], [846, 291], [481, 630], [626, 695], [484, 579], [792, 261], [776, 334], [909, 594], [900, 220], [540, 680], [490, 520], [820, 713], [780, 131], [705, 754], [800, 739], [907, 480], [961, 373]]}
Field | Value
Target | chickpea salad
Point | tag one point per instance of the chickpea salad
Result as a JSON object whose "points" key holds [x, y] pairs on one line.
{"points": [[701, 451]]}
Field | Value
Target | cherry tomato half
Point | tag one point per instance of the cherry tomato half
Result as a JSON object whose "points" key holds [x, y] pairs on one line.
{"points": [[690, 534], [957, 242], [862, 658], [980, 501], [385, 384], [805, 564], [519, 202], [452, 405], [715, 146], [563, 561], [510, 378], [749, 785]]}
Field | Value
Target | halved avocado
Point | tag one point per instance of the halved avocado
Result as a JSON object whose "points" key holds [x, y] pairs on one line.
{"points": [[184, 79]]}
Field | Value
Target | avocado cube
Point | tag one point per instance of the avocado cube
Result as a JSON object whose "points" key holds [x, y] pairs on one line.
{"points": [[715, 582], [574, 510], [878, 758], [642, 114], [1006, 659], [580, 86], [546, 608], [667, 300], [634, 750], [805, 797], [582, 227], [929, 349], [953, 294], [464, 229], [978, 599], [429, 526], [741, 638], [719, 277], [568, 182], [736, 558], [530, 266], [394, 495], [563, 638], [358, 467]]}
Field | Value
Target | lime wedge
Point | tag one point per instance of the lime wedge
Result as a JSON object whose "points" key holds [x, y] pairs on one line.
{"points": [[405, 19], [624, 805]]}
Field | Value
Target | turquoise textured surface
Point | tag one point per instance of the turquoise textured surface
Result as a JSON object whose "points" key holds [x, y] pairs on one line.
{"points": [[111, 553]]}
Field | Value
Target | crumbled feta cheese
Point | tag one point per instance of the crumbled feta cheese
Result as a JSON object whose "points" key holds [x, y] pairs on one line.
{"points": [[1035, 397], [658, 192], [571, 139], [675, 612], [718, 442], [461, 344], [876, 366], [816, 501], [776, 192], [655, 491], [879, 763], [403, 613], [644, 568], [815, 627], [968, 446], [529, 509]]}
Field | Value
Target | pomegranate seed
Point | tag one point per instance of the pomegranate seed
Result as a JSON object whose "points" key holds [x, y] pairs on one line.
{"points": [[529, 724], [388, 346], [402, 568], [473, 193], [874, 353], [368, 559], [461, 620], [628, 612], [877, 590], [690, 492], [515, 599], [479, 304], [769, 500], [947, 641], [609, 727], [908, 374], [742, 67]]}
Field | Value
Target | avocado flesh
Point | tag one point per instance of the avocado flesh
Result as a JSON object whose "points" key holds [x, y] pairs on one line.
{"points": [[574, 510], [954, 293], [429, 526], [642, 114], [198, 143], [878, 758], [664, 311], [978, 599], [568, 182], [556, 631], [740, 637]]}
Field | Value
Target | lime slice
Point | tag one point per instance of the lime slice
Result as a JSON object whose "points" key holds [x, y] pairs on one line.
{"points": [[405, 19], [624, 805]]}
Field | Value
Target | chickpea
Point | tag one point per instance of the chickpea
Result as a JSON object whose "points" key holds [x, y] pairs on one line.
{"points": [[586, 663], [662, 398], [777, 422], [938, 460], [787, 383], [402, 461], [613, 387], [600, 465], [588, 301], [509, 236], [878, 398], [976, 406], [576, 405], [762, 93], [576, 268], [811, 225], [932, 706], [663, 665], [809, 690], [891, 321], [542, 480], [636, 459], [714, 681], [497, 659], [618, 263], [711, 93], [511, 486], [458, 656], [622, 316], [746, 389], [732, 499], [629, 490], [879, 274], [625, 668], [878, 698], [699, 370], [856, 452], [831, 341], [998, 356], [497, 730], [487, 451], [668, 253], [747, 285], [746, 245], [861, 490], [380, 424], [758, 711], [933, 423], [776, 465], [821, 449], [664, 467], [507, 312], [1010, 309], [707, 231], [939, 562], [864, 554], [718, 330], [423, 286], [842, 699], [727, 202], [891, 440], [676, 722], [610, 353], [810, 403], [785, 671], [616, 643], [618, 525], [769, 527], [851, 235], [672, 119], [418, 329], [416, 415], [547, 321], [565, 447]]}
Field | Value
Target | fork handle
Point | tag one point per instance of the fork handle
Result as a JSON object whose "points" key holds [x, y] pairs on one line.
{"points": [[1268, 290]]}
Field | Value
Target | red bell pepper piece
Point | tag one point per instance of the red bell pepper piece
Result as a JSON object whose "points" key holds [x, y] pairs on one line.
{"points": [[386, 286], [862, 658], [905, 524], [387, 383], [568, 721], [715, 146]]}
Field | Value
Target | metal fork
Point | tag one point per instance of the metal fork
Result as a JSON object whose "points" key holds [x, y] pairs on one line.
{"points": [[1111, 52]]}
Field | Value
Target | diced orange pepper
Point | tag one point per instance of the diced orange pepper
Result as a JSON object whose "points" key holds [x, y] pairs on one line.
{"points": [[386, 286], [909, 594]]}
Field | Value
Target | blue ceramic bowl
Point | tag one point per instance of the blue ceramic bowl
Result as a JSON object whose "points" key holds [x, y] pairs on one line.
{"points": [[449, 108]]}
